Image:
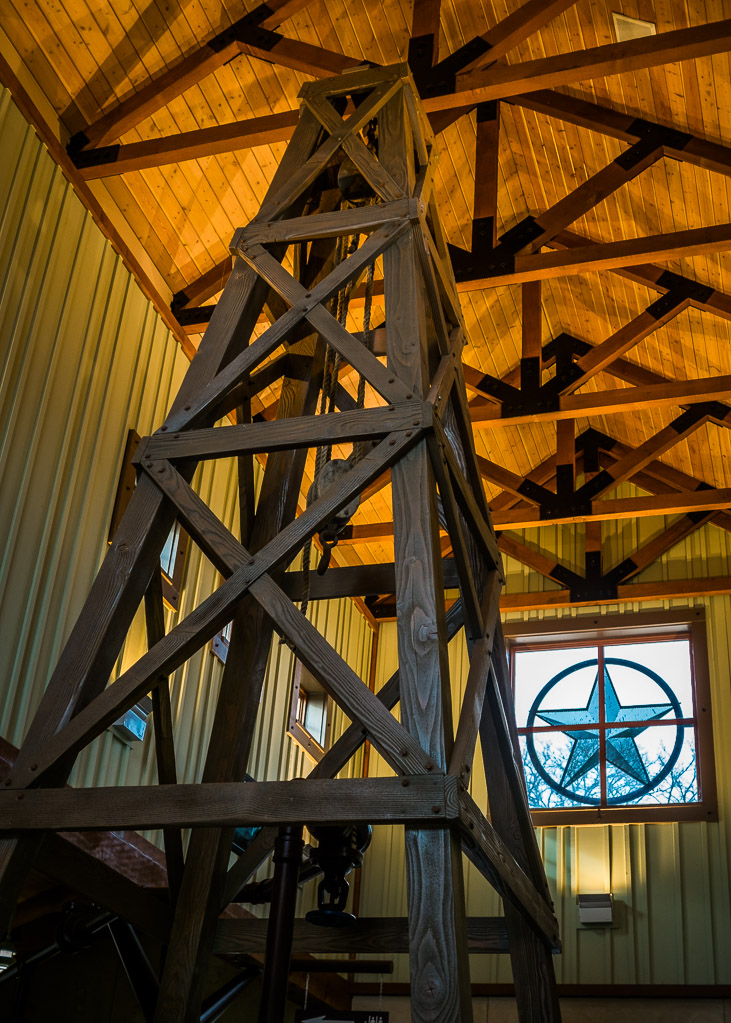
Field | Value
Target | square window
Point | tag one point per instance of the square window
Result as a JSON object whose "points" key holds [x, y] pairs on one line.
{"points": [[613, 718], [310, 713]]}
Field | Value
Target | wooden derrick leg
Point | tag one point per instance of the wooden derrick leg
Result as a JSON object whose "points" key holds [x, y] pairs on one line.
{"points": [[530, 956], [204, 878], [88, 658], [87, 661], [439, 963], [162, 720]]}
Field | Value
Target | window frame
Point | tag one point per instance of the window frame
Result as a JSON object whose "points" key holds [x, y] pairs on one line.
{"points": [[690, 623], [295, 730], [171, 585], [221, 642]]}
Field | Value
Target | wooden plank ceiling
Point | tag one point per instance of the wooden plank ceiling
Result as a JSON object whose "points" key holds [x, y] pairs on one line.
{"points": [[94, 60]]}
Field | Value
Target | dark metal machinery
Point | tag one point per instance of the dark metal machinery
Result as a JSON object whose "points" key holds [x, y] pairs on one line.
{"points": [[418, 428]]}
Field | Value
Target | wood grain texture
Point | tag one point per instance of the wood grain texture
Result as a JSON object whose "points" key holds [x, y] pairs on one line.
{"points": [[485, 935], [162, 721], [437, 940], [517, 26], [605, 403], [595, 62], [490, 854], [607, 256], [331, 763], [234, 804], [280, 435], [582, 112]]}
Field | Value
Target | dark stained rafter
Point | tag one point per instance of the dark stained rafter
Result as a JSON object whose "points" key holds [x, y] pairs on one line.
{"points": [[500, 81], [252, 34]]}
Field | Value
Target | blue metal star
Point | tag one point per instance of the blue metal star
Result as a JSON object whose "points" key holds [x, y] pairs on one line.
{"points": [[621, 747]]}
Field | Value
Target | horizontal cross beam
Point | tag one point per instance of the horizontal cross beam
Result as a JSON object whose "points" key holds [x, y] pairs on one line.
{"points": [[503, 80], [672, 589], [602, 403], [339, 801], [387, 935]]}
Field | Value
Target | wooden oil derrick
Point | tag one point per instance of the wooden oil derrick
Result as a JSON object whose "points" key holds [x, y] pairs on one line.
{"points": [[420, 429]]}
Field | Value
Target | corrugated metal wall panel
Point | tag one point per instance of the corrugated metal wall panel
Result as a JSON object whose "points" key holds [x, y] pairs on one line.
{"points": [[670, 881], [84, 357]]}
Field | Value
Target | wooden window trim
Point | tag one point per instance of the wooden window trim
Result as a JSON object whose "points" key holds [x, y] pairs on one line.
{"points": [[613, 629], [171, 585], [220, 644], [300, 735]]}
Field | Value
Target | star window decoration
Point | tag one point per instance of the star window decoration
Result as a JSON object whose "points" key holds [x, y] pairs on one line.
{"points": [[594, 747], [611, 729]]}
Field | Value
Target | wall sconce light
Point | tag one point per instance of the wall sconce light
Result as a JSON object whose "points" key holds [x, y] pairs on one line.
{"points": [[596, 910]]}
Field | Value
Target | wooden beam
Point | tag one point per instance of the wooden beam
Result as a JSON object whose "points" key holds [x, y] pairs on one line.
{"points": [[592, 550], [101, 161], [481, 845], [620, 508], [665, 540], [252, 34], [677, 145], [628, 336], [487, 148], [592, 191], [604, 256], [565, 457], [637, 458], [657, 278], [440, 982], [478, 678], [531, 366], [389, 935], [545, 564], [631, 592], [424, 41], [292, 53], [509, 481], [486, 415], [513, 29], [596, 62], [356, 581], [234, 804], [285, 434], [204, 287], [189, 145], [282, 10], [162, 721]]}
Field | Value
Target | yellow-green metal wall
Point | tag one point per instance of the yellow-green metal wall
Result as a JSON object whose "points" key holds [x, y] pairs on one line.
{"points": [[84, 357], [670, 881]]}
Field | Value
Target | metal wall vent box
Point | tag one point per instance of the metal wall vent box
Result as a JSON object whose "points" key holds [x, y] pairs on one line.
{"points": [[596, 909]]}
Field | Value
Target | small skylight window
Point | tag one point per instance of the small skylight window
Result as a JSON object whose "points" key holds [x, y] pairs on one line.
{"points": [[631, 28]]}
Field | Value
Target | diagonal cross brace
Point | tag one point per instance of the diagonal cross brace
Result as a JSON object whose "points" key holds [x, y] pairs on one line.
{"points": [[246, 573]]}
